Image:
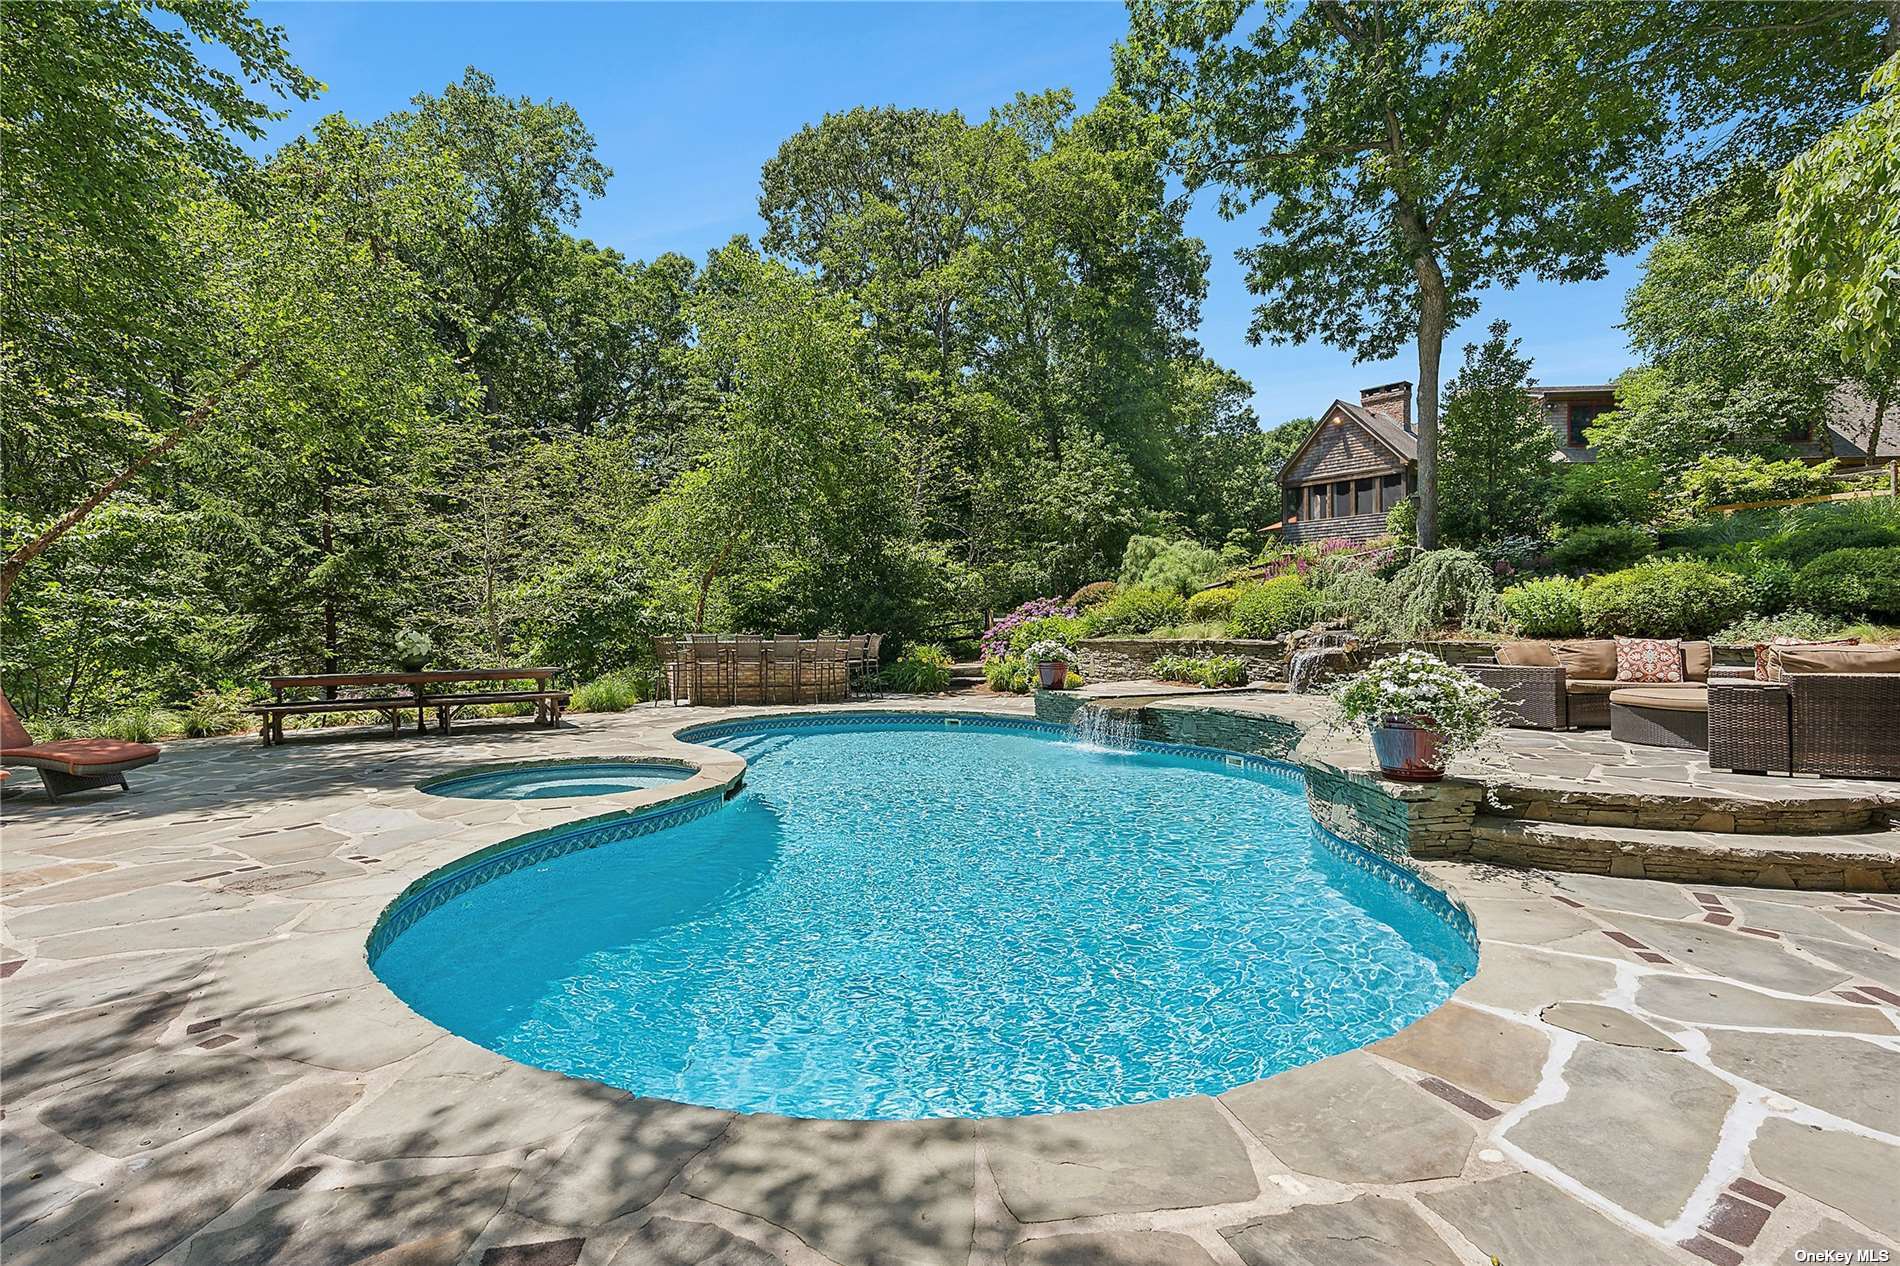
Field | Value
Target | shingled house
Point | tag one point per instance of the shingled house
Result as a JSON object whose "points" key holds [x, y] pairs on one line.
{"points": [[1362, 459]]}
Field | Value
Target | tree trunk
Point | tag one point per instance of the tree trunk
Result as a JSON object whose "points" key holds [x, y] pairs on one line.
{"points": [[705, 586], [1432, 303], [17, 560]]}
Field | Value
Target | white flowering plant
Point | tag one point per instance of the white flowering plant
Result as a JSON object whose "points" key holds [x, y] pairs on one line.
{"points": [[412, 646], [1415, 686], [1048, 652]]}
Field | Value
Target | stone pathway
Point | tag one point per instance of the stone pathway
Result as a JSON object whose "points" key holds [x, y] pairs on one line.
{"points": [[199, 1069]]}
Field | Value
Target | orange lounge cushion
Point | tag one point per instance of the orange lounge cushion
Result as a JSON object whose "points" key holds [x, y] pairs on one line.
{"points": [[1526, 655], [1668, 699], [1593, 660], [1784, 661], [78, 755]]}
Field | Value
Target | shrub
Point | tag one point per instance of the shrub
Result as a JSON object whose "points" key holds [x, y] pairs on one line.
{"points": [[1545, 608], [1007, 674], [923, 670], [1092, 593], [211, 713], [1445, 589], [1048, 628], [1852, 582], [1213, 604], [1808, 536], [1181, 566], [138, 723], [1278, 606], [1213, 671], [1660, 598], [610, 692], [1361, 599], [996, 638], [1719, 480], [1752, 629], [1770, 586], [1605, 547], [1401, 521], [1598, 494], [1135, 610]]}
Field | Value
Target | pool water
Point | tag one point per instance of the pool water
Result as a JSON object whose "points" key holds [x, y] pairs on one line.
{"points": [[559, 781], [912, 920]]}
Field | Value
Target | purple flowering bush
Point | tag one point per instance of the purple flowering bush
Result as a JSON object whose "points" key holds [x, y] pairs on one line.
{"points": [[997, 638]]}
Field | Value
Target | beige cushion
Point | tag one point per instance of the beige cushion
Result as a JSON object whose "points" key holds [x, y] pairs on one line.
{"points": [[1696, 658], [1788, 660], [1765, 670], [1587, 661], [1679, 697], [1606, 687], [1526, 655]]}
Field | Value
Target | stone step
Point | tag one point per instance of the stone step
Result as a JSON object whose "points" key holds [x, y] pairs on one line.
{"points": [[1805, 807], [1860, 861]]}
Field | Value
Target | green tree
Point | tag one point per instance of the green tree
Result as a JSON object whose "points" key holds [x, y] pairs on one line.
{"points": [[113, 127], [1413, 154], [1499, 461], [1836, 249]]}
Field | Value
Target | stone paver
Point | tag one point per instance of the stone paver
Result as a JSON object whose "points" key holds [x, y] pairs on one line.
{"points": [[1623, 1103], [199, 1066], [1500, 1060], [1844, 1171], [854, 1190], [1522, 1218], [1350, 1119], [1608, 1024], [1704, 1001], [1367, 1231], [1111, 1248], [1832, 1074], [1169, 1155]]}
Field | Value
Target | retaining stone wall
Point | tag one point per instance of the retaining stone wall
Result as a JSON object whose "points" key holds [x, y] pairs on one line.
{"points": [[1128, 658]]}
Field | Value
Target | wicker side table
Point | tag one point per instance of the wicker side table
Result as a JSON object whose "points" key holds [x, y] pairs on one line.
{"points": [[1749, 726]]}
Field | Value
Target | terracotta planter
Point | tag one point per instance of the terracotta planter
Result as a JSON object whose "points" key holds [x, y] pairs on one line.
{"points": [[1053, 673], [1409, 749]]}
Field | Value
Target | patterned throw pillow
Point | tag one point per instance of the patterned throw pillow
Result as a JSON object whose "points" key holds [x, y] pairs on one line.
{"points": [[1648, 659], [1764, 668]]}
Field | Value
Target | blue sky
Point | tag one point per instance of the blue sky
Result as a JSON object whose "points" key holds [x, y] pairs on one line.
{"points": [[688, 101]]}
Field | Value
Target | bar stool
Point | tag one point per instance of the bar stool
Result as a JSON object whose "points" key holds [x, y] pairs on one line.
{"points": [[748, 659], [784, 662]]}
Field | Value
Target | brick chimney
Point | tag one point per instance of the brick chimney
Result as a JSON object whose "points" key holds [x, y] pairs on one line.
{"points": [[1392, 401]]}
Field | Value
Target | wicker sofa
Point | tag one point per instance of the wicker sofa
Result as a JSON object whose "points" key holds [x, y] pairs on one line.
{"points": [[1567, 685], [1829, 711]]}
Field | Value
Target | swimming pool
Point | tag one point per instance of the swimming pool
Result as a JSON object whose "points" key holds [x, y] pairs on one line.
{"points": [[558, 780], [907, 918]]}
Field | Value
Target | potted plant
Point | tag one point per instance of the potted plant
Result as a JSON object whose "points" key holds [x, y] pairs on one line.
{"points": [[412, 648], [1052, 660], [1420, 712]]}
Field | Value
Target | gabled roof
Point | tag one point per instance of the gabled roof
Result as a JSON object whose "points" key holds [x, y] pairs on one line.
{"points": [[1400, 442], [1395, 437], [1601, 389], [1850, 425]]}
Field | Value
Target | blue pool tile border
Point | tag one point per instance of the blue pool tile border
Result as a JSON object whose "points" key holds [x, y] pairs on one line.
{"points": [[464, 875], [448, 882]]}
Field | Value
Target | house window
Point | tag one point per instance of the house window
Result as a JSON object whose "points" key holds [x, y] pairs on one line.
{"points": [[1800, 432], [1315, 501], [1582, 417], [1364, 493], [1391, 491], [1342, 499]]}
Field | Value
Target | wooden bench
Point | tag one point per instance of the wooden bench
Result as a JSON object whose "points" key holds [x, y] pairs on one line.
{"points": [[391, 706], [548, 704]]}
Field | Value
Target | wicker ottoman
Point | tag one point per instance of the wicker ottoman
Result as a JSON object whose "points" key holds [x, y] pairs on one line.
{"points": [[1674, 717]]}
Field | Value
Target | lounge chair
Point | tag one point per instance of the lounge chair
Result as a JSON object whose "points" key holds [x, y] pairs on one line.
{"points": [[69, 765]]}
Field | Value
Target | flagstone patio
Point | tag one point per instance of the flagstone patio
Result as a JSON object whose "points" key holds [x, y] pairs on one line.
{"points": [[199, 1068]]}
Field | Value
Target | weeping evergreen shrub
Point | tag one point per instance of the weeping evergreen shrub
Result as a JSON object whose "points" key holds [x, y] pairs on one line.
{"points": [[1445, 589]]}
